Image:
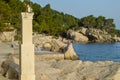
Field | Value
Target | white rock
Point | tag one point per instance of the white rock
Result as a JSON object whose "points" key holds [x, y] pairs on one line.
{"points": [[70, 53]]}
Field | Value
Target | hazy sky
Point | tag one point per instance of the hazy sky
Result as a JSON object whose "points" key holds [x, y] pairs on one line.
{"points": [[81, 8]]}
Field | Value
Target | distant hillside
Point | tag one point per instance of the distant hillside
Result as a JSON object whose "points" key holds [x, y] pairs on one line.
{"points": [[49, 21]]}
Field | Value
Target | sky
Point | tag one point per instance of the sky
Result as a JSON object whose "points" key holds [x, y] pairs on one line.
{"points": [[82, 8]]}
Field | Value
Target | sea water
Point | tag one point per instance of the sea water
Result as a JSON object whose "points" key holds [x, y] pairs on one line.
{"points": [[98, 51]]}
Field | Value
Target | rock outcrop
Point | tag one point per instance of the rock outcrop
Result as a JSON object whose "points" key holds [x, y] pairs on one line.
{"points": [[48, 43], [57, 46], [7, 35], [116, 39], [40, 40], [70, 54], [10, 68], [47, 46], [72, 70], [77, 36], [96, 35], [92, 35]]}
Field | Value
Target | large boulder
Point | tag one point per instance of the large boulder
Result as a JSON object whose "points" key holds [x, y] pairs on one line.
{"points": [[80, 37], [48, 43], [77, 36], [47, 46], [57, 45], [70, 53], [7, 35], [83, 30], [10, 68], [40, 40]]}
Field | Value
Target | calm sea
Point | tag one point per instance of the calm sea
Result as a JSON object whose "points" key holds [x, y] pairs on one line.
{"points": [[98, 51]]}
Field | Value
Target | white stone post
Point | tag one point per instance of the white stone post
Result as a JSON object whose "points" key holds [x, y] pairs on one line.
{"points": [[27, 69]]}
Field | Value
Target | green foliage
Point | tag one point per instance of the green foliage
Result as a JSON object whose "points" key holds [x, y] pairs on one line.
{"points": [[89, 21], [114, 32], [48, 21], [100, 22], [1, 26], [10, 12], [16, 7], [52, 22], [109, 24], [5, 12]]}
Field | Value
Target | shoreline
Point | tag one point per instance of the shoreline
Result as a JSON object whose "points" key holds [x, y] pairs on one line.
{"points": [[54, 69]]}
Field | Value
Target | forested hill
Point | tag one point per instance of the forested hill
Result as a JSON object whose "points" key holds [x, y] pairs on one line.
{"points": [[49, 21]]}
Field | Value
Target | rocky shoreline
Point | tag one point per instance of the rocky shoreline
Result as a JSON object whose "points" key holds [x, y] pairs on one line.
{"points": [[54, 69], [60, 66], [77, 70], [86, 35]]}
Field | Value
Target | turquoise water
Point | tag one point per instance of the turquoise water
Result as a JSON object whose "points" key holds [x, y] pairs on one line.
{"points": [[98, 52]]}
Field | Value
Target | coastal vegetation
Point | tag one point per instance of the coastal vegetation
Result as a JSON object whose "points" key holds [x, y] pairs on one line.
{"points": [[49, 21]]}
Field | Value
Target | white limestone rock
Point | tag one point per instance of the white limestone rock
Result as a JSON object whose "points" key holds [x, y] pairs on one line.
{"points": [[70, 53]]}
